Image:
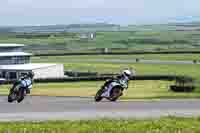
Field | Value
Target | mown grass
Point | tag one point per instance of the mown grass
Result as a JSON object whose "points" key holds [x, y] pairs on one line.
{"points": [[162, 125], [137, 90]]}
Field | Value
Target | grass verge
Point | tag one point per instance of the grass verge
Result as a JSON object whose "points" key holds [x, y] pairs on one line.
{"points": [[162, 125]]}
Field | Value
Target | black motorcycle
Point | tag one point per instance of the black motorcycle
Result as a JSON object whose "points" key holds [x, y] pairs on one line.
{"points": [[17, 93], [116, 90]]}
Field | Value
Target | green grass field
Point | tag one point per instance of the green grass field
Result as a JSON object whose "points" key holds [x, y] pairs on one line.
{"points": [[137, 90], [162, 125], [134, 40]]}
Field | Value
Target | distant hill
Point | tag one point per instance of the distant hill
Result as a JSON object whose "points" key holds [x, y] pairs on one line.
{"points": [[62, 28], [178, 23], [5, 29], [186, 19]]}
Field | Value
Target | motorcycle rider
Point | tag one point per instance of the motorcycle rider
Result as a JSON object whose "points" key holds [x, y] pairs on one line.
{"points": [[25, 81], [122, 79]]}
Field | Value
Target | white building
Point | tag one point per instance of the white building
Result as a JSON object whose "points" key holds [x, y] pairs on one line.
{"points": [[87, 36], [14, 62]]}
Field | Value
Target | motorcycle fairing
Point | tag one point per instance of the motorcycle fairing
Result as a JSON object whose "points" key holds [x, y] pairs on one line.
{"points": [[108, 88]]}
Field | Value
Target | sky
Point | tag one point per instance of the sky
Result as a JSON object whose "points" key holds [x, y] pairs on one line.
{"points": [[124, 12]]}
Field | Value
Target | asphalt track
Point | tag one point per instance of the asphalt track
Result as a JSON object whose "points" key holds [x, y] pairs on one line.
{"points": [[35, 108]]}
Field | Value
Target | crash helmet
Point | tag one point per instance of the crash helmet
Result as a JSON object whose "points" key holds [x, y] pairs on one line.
{"points": [[30, 74], [128, 73]]}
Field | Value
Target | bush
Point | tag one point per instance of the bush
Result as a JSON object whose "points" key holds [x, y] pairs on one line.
{"points": [[183, 84]]}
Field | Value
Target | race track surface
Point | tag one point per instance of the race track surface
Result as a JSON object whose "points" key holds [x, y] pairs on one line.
{"points": [[35, 108]]}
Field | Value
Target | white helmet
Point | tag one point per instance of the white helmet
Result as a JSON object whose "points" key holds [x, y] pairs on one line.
{"points": [[128, 73]]}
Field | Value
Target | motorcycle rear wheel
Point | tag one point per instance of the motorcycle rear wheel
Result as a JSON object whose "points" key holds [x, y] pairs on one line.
{"points": [[115, 94], [20, 97]]}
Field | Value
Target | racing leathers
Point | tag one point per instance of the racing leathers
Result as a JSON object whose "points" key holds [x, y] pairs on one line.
{"points": [[25, 83]]}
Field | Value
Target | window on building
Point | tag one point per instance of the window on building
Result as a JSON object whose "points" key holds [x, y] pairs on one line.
{"points": [[4, 74], [12, 75]]}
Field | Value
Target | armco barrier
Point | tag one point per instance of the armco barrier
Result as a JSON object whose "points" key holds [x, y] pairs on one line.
{"points": [[103, 78], [121, 53]]}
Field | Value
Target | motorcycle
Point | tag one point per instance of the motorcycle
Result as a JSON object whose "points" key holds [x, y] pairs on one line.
{"points": [[17, 93], [112, 91]]}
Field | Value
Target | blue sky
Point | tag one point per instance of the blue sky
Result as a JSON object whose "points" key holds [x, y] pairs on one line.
{"points": [[42, 12]]}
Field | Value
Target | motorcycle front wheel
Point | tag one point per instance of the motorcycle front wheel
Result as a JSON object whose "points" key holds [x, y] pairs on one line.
{"points": [[98, 97], [12, 96]]}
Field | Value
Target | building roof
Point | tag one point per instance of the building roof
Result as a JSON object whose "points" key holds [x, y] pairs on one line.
{"points": [[11, 45], [8, 54], [30, 66]]}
